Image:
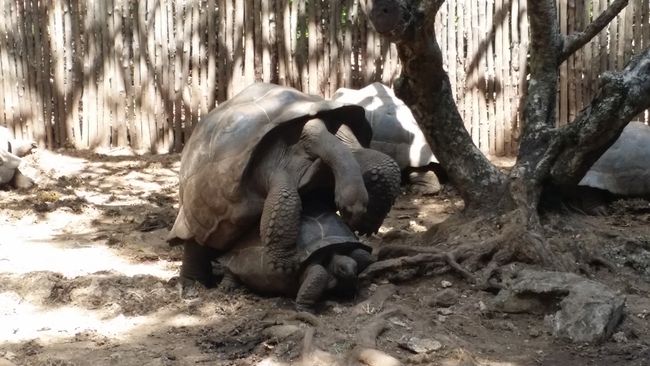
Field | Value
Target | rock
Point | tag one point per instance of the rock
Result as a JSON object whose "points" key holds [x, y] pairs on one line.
{"points": [[444, 298], [421, 345], [445, 311], [588, 310], [534, 332], [445, 284], [282, 331], [619, 337]]}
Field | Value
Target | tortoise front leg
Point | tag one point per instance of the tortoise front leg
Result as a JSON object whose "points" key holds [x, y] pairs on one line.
{"points": [[197, 263], [314, 283], [280, 222], [350, 193], [362, 257], [382, 178]]}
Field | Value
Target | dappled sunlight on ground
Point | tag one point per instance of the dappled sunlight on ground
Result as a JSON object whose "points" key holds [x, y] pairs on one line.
{"points": [[87, 278]]}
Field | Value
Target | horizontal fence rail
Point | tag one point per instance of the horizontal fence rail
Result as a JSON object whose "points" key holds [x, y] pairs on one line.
{"points": [[108, 73]]}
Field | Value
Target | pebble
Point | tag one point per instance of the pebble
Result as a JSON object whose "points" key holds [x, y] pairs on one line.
{"points": [[619, 337], [445, 311], [445, 284], [534, 332], [421, 345], [444, 298]]}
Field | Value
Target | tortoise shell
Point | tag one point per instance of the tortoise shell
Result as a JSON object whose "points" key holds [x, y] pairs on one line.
{"points": [[395, 131], [624, 168]]}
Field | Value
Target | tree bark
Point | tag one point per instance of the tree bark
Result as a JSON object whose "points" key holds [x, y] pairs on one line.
{"points": [[546, 153], [425, 87]]}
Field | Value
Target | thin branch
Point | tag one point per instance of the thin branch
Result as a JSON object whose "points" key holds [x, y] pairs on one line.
{"points": [[575, 41]]}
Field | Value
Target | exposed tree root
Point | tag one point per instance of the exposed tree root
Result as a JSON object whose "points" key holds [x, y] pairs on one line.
{"points": [[518, 237], [364, 353]]}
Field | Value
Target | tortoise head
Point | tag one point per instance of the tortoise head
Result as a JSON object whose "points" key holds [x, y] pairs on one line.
{"points": [[343, 268]]}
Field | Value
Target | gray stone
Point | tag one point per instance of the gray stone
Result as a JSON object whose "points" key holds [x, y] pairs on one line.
{"points": [[281, 331], [444, 298], [421, 345], [581, 310]]}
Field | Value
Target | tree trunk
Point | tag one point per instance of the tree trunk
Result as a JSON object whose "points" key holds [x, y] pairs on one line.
{"points": [[507, 204]]}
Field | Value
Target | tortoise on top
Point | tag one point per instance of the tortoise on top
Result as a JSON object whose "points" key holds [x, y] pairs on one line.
{"points": [[249, 160], [396, 133], [329, 253]]}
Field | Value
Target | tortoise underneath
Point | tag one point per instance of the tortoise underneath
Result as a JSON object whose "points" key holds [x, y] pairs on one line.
{"points": [[331, 257]]}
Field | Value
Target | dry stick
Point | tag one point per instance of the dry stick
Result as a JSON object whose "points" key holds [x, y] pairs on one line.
{"points": [[120, 77], [284, 42], [58, 51], [508, 82], [499, 117], [90, 81], [107, 72], [24, 90], [222, 54], [491, 102], [248, 26], [230, 46], [347, 48], [334, 42], [177, 90], [239, 40], [265, 42], [4, 91], [258, 65], [165, 115], [184, 91], [127, 64], [45, 40], [76, 85], [570, 64], [34, 73], [197, 96], [474, 41], [210, 56], [7, 67], [578, 64], [138, 61], [323, 46], [173, 118]]}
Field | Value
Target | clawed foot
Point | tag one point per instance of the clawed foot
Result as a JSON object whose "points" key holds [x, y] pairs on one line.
{"points": [[306, 308], [189, 288]]}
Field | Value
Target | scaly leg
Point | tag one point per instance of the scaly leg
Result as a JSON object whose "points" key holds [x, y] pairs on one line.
{"points": [[280, 222]]}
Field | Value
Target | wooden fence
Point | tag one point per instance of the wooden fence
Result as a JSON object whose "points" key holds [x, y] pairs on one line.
{"points": [[140, 73]]}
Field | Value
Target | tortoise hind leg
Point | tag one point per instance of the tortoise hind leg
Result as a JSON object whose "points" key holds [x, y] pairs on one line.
{"points": [[314, 283], [280, 222], [197, 263]]}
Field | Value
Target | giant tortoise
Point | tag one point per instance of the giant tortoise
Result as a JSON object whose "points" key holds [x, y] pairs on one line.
{"points": [[624, 169], [11, 152], [396, 133], [249, 160], [329, 253]]}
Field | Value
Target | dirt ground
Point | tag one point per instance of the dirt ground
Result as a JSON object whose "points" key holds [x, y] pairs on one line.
{"points": [[86, 278]]}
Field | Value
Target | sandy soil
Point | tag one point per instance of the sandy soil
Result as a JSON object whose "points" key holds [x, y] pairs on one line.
{"points": [[86, 278]]}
